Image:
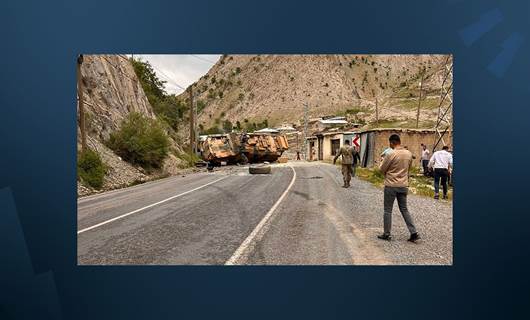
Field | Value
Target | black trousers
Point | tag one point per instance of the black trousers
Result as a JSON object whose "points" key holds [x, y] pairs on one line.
{"points": [[440, 174]]}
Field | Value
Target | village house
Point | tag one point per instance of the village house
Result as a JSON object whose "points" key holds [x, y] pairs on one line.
{"points": [[371, 143]]}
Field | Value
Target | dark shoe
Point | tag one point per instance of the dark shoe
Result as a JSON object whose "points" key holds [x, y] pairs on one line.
{"points": [[436, 196], [414, 237], [345, 186], [386, 237], [445, 197]]}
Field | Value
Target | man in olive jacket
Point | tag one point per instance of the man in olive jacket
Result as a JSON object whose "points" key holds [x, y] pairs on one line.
{"points": [[395, 167], [346, 152]]}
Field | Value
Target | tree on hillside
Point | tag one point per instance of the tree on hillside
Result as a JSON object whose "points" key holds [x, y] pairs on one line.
{"points": [[227, 126], [167, 107]]}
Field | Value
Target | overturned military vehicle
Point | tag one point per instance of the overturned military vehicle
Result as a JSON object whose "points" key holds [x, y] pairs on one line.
{"points": [[240, 148]]}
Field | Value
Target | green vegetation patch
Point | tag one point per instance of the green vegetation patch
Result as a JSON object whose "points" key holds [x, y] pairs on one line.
{"points": [[418, 183], [355, 110], [189, 159], [166, 107], [91, 169], [140, 141]]}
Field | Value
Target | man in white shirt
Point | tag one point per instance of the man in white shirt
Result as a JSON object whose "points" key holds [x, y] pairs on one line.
{"points": [[425, 156], [442, 163]]}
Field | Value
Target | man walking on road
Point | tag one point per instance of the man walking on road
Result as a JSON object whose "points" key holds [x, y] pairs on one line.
{"points": [[425, 156], [347, 161], [395, 167], [356, 159], [442, 162]]}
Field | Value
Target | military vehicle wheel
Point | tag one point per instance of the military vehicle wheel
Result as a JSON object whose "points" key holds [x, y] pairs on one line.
{"points": [[262, 169]]}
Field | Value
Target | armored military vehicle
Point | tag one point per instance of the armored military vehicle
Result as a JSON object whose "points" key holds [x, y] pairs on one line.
{"points": [[230, 147]]}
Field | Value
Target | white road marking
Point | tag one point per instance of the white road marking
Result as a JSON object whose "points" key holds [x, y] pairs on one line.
{"points": [[149, 206], [125, 190], [259, 230]]}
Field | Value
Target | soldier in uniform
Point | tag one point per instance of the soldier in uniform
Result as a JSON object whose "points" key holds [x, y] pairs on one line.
{"points": [[356, 159], [243, 146], [346, 152]]}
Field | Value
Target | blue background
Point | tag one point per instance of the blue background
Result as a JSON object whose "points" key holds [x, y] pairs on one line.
{"points": [[38, 273]]}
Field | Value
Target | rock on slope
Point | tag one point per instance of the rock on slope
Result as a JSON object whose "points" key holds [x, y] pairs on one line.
{"points": [[111, 90], [275, 87]]}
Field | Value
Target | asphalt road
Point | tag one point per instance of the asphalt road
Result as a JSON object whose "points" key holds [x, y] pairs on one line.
{"points": [[296, 215]]}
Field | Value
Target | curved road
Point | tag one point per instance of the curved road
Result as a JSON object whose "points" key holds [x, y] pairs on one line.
{"points": [[232, 217]]}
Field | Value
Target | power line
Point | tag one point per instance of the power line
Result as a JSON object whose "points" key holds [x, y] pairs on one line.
{"points": [[203, 59], [168, 78]]}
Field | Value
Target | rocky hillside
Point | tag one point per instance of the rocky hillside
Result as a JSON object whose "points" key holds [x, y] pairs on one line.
{"points": [[111, 91], [252, 88]]}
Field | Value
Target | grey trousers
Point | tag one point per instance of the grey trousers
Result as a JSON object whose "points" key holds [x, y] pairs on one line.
{"points": [[390, 194]]}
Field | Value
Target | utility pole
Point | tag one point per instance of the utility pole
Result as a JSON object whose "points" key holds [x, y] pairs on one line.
{"points": [[81, 103], [306, 109], [196, 131], [419, 101], [445, 118], [192, 122], [376, 113]]}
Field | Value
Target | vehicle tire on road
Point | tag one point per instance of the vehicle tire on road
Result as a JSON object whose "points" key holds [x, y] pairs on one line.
{"points": [[262, 169]]}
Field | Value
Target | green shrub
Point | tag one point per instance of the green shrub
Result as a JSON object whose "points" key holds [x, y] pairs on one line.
{"points": [[91, 168], [189, 159], [213, 130], [227, 126], [141, 141], [200, 106], [166, 106]]}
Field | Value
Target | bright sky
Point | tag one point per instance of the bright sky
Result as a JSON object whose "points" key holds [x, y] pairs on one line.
{"points": [[179, 70]]}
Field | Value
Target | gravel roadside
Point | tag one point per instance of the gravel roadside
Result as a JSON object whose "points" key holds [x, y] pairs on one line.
{"points": [[320, 223], [433, 218]]}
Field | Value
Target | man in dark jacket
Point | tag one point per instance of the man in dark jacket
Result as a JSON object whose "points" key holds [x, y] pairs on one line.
{"points": [[356, 159]]}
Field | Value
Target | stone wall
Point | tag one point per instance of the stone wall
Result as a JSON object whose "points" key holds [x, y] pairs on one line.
{"points": [[410, 138]]}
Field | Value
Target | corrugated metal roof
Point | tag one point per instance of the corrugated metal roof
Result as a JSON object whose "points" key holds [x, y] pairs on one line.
{"points": [[267, 130], [399, 129], [334, 121]]}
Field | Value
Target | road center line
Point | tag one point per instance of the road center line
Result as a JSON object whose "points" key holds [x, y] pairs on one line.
{"points": [[258, 232], [149, 206]]}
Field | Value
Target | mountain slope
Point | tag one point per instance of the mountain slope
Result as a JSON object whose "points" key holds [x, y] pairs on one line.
{"points": [[252, 88], [111, 91]]}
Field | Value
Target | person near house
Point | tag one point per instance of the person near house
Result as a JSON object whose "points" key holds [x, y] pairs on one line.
{"points": [[347, 161], [356, 159], [441, 162], [395, 167], [425, 157]]}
